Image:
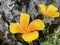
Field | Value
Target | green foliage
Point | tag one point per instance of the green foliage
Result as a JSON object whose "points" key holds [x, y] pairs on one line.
{"points": [[53, 38]]}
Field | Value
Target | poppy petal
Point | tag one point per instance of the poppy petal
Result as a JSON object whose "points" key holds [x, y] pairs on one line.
{"points": [[31, 36], [56, 14], [53, 14], [36, 25], [51, 8], [24, 20], [42, 7], [15, 28]]}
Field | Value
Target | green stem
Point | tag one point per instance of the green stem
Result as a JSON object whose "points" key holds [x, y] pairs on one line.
{"points": [[30, 43]]}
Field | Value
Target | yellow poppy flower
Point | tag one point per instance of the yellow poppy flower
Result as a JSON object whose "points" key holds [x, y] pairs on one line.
{"points": [[28, 31], [51, 11]]}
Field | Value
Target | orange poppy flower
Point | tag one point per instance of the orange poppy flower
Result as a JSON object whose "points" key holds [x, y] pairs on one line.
{"points": [[29, 31], [51, 11]]}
